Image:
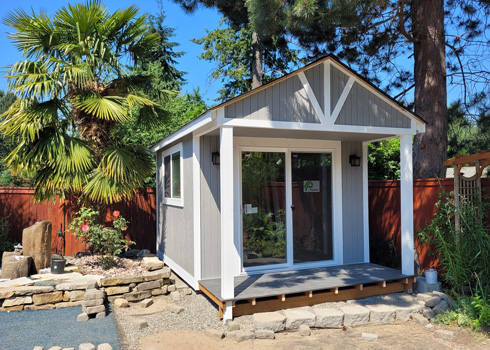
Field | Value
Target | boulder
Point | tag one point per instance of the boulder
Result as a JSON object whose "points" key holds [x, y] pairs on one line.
{"points": [[441, 308], [355, 315], [304, 330], [328, 318], [36, 242], [273, 321], [431, 302], [297, 317], [121, 302], [15, 265], [152, 263], [381, 313], [244, 335], [264, 334]]}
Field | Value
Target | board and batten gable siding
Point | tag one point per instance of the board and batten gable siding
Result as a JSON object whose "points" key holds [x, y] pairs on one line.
{"points": [[352, 202], [362, 107], [210, 210], [315, 77], [283, 101], [176, 231]]}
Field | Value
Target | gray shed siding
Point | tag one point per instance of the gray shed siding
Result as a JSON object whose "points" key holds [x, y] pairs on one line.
{"points": [[210, 210], [176, 231], [315, 76], [284, 101], [352, 213], [338, 81]]}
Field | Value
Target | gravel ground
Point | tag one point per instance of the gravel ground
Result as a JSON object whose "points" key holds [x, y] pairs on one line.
{"points": [[200, 314], [21, 330]]}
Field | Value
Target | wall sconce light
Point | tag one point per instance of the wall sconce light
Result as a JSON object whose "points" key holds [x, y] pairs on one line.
{"points": [[354, 160], [215, 158]]}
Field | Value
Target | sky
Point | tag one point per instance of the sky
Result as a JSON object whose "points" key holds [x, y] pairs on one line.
{"points": [[187, 27]]}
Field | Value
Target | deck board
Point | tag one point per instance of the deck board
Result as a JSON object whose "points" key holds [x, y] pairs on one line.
{"points": [[299, 281]]}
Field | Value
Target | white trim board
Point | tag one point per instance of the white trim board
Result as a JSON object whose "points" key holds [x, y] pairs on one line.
{"points": [[183, 274]]}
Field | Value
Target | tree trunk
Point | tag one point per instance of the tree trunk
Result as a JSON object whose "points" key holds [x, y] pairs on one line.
{"points": [[256, 62], [430, 148]]}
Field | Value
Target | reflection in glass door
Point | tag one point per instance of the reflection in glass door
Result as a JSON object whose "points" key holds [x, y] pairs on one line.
{"points": [[312, 207], [263, 203]]}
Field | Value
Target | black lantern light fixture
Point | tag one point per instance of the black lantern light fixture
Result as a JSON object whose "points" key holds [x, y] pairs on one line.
{"points": [[215, 158], [354, 160]]}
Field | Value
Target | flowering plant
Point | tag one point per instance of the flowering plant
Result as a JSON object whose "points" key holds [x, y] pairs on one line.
{"points": [[106, 241]]}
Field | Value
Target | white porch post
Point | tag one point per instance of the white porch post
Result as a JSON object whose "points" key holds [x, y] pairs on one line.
{"points": [[406, 204], [228, 249], [365, 200]]}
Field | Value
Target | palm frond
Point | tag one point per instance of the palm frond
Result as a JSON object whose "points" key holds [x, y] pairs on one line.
{"points": [[112, 108]]}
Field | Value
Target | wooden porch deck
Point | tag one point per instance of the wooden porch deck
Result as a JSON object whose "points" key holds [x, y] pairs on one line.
{"points": [[281, 290]]}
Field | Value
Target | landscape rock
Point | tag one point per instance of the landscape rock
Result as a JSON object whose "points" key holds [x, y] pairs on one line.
{"points": [[121, 303], [381, 314], [141, 324], [55, 348], [369, 336], [87, 346], [67, 304], [94, 294], [105, 346], [149, 285], [146, 303], [92, 302], [420, 319], [44, 284], [74, 295], [47, 298], [424, 296], [38, 348], [93, 309], [82, 317], [428, 313], [441, 308], [403, 313], [117, 290], [101, 314], [171, 288], [304, 330], [328, 318], [36, 243], [244, 335], [40, 307], [151, 263], [231, 334], [29, 290], [264, 334], [355, 315], [176, 296], [444, 334], [273, 321], [72, 286], [15, 265], [215, 333], [115, 281], [430, 327], [233, 326], [156, 292], [156, 274], [431, 302], [176, 309], [12, 308], [137, 296], [14, 301], [297, 317], [188, 291]]}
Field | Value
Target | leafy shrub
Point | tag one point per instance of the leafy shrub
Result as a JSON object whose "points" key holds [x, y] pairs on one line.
{"points": [[106, 241], [5, 245], [464, 254], [467, 311]]}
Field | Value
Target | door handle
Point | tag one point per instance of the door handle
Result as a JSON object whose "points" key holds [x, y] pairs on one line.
{"points": [[293, 207]]}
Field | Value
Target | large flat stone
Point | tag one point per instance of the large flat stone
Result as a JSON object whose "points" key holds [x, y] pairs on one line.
{"points": [[117, 290], [297, 317], [381, 314], [137, 296], [328, 318], [47, 298], [72, 286], [403, 313], [149, 285], [36, 242], [273, 321], [68, 304], [156, 274], [30, 290], [431, 302], [74, 295], [40, 307], [93, 309], [152, 263], [355, 315], [94, 294], [441, 308], [115, 281], [22, 281], [14, 301]]}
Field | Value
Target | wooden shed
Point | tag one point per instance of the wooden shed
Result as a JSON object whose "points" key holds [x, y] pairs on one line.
{"points": [[262, 202]]}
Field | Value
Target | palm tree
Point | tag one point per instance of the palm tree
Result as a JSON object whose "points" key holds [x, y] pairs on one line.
{"points": [[73, 89]]}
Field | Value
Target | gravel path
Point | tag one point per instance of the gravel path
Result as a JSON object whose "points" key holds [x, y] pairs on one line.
{"points": [[200, 314]]}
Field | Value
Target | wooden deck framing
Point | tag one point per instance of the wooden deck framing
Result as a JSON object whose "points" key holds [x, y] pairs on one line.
{"points": [[283, 300]]}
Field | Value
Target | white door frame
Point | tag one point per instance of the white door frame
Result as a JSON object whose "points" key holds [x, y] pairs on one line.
{"points": [[288, 146]]}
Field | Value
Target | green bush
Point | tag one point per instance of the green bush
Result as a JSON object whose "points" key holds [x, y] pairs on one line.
{"points": [[5, 244], [107, 242], [464, 254], [467, 311]]}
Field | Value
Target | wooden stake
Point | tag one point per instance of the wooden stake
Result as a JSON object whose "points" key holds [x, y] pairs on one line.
{"points": [[254, 301]]}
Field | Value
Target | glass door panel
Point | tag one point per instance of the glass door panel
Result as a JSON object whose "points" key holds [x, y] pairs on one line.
{"points": [[312, 207], [263, 203]]}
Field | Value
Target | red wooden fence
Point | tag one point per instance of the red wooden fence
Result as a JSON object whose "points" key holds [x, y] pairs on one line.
{"points": [[17, 203], [384, 210]]}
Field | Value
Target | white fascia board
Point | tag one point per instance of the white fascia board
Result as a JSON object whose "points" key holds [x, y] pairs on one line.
{"points": [[189, 128], [376, 92]]}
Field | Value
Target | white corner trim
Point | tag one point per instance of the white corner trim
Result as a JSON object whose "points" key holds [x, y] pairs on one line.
{"points": [[326, 90], [194, 125], [342, 98], [365, 200], [311, 96], [186, 276], [196, 200]]}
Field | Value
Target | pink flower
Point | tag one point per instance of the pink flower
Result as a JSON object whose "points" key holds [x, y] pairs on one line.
{"points": [[116, 213], [85, 228]]}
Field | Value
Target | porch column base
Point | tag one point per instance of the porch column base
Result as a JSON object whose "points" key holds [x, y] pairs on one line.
{"points": [[228, 312]]}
